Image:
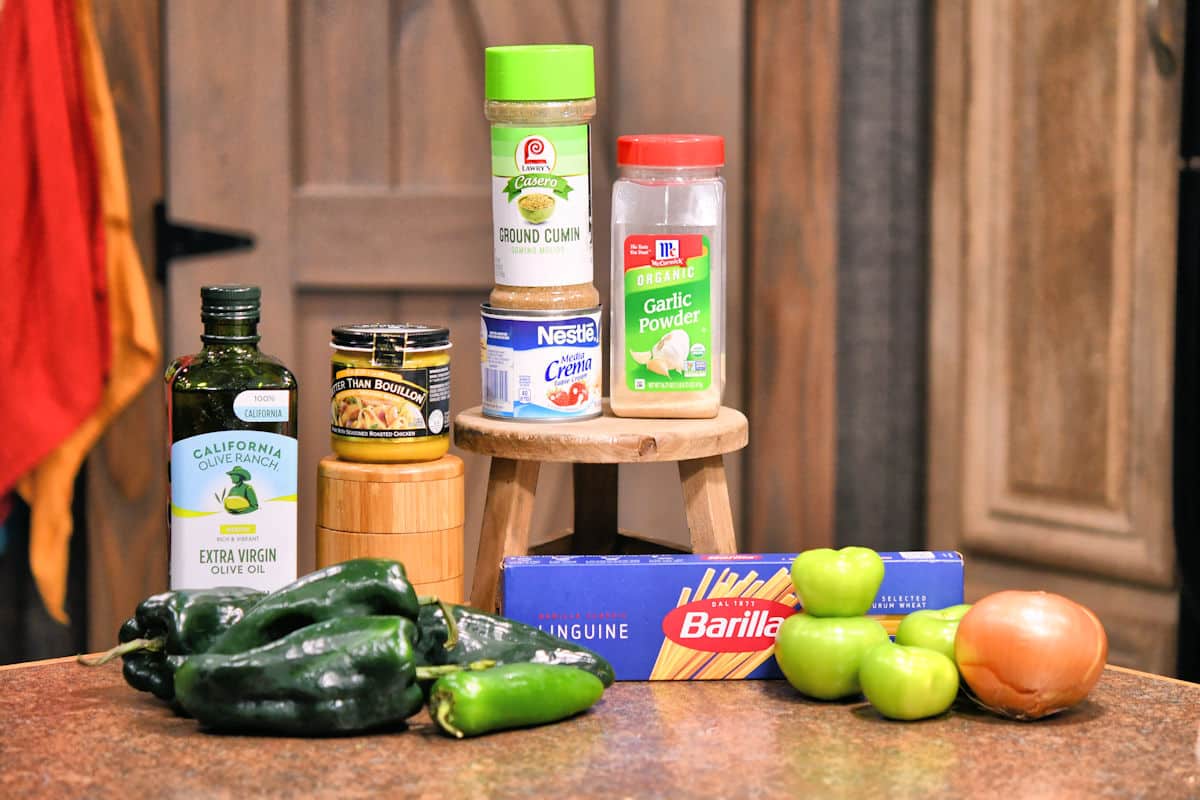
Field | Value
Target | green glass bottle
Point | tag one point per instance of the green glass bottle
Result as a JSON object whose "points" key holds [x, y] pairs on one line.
{"points": [[233, 464]]}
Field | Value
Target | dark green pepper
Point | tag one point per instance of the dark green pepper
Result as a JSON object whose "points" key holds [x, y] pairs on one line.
{"points": [[168, 626], [362, 587], [505, 641], [333, 677], [510, 696]]}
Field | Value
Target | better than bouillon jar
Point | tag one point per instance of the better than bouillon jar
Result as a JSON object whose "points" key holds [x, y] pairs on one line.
{"points": [[390, 396], [540, 99]]}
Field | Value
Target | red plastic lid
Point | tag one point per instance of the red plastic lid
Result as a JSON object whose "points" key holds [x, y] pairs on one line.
{"points": [[671, 150]]}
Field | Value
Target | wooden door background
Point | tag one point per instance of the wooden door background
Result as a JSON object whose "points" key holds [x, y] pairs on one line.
{"points": [[1052, 319], [350, 139]]}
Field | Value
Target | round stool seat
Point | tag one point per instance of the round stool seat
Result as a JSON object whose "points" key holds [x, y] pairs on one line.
{"points": [[604, 440]]}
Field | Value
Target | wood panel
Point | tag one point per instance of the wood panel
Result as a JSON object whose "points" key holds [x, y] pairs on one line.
{"points": [[792, 282], [1069, 292], [883, 218], [1052, 308], [126, 475]]}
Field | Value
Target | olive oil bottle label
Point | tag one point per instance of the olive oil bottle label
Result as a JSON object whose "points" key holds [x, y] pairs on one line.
{"points": [[375, 403], [542, 206], [668, 320], [233, 510]]}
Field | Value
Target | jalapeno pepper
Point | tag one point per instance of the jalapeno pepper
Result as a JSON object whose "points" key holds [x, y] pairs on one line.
{"points": [[168, 626], [510, 696], [505, 641], [362, 587]]}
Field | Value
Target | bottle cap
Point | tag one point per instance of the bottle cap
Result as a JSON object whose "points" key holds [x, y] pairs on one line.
{"points": [[229, 302], [539, 72], [671, 150]]}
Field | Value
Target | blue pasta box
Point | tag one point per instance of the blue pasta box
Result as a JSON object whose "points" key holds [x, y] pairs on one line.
{"points": [[697, 617]]}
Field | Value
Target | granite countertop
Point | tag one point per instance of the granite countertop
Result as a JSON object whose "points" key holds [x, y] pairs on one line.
{"points": [[67, 731]]}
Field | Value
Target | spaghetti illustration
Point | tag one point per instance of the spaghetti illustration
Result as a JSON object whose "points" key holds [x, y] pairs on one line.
{"points": [[678, 662]]}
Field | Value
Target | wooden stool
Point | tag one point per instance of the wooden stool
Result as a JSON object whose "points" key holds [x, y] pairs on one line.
{"points": [[595, 447]]}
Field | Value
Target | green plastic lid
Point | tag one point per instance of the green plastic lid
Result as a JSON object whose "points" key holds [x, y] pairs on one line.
{"points": [[539, 72]]}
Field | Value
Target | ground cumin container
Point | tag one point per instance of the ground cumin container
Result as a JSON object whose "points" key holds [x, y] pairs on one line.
{"points": [[409, 512], [540, 99], [390, 393]]}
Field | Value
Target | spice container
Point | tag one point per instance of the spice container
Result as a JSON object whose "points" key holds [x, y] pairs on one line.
{"points": [[540, 99], [668, 277], [390, 394], [541, 366], [412, 513]]}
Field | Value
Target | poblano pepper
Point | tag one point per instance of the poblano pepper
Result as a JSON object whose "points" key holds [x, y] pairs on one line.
{"points": [[167, 627], [362, 587], [333, 677], [503, 640]]}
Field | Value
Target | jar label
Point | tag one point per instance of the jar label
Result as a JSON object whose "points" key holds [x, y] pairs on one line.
{"points": [[668, 318], [542, 368], [542, 205], [381, 403], [233, 510]]}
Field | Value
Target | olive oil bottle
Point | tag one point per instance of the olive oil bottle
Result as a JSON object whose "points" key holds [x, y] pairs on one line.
{"points": [[233, 463]]}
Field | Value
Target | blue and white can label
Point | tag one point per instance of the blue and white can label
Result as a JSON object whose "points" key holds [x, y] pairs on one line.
{"points": [[541, 367]]}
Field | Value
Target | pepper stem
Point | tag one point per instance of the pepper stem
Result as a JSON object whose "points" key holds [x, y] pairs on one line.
{"points": [[131, 646], [448, 613], [428, 673], [444, 710]]}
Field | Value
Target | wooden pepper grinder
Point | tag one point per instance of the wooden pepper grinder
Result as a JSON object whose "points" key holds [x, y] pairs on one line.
{"points": [[410, 512]]}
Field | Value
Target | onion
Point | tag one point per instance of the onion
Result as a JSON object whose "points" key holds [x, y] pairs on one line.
{"points": [[1030, 654]]}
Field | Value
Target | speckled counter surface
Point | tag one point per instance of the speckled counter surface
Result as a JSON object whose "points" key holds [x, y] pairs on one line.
{"points": [[66, 731]]}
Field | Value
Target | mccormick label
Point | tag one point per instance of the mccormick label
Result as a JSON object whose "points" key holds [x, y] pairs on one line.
{"points": [[542, 205], [697, 617], [541, 368], [233, 510], [668, 317]]}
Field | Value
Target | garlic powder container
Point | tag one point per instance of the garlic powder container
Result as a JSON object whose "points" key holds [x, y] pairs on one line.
{"points": [[668, 277]]}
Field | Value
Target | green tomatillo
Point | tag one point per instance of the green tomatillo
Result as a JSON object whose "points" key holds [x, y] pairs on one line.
{"points": [[932, 628], [820, 656], [837, 583], [908, 683]]}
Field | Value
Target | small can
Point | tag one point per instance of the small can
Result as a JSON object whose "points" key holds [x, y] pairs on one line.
{"points": [[540, 366]]}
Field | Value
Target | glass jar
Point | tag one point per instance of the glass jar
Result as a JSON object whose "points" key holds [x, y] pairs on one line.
{"points": [[668, 277], [390, 396], [540, 99]]}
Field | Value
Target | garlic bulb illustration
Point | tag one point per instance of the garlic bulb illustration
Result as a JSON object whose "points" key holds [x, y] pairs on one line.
{"points": [[669, 353]]}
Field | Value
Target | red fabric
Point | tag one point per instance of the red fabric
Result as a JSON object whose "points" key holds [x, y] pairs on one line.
{"points": [[54, 332]]}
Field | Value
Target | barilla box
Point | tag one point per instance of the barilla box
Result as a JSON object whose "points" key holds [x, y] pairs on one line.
{"points": [[697, 617]]}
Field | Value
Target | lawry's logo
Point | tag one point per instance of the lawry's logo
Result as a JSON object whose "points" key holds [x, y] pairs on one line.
{"points": [[535, 154], [576, 333], [726, 625]]}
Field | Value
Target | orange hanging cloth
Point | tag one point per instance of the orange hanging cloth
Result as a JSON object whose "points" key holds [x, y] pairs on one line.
{"points": [[130, 326], [54, 332]]}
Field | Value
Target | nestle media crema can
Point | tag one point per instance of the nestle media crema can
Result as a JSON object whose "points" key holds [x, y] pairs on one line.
{"points": [[540, 366]]}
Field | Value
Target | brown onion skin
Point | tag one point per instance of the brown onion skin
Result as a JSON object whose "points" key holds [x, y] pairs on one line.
{"points": [[1030, 654]]}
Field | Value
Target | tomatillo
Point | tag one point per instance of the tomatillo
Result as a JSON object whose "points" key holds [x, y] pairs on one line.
{"points": [[837, 583], [908, 683], [820, 656], [932, 628]]}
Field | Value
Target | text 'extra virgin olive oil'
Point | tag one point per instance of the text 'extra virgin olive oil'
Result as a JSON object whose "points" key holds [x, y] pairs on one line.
{"points": [[233, 461]]}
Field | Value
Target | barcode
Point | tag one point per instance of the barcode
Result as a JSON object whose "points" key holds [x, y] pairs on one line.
{"points": [[495, 385]]}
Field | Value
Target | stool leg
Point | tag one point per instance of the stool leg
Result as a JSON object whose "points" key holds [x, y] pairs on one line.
{"points": [[706, 502], [505, 532]]}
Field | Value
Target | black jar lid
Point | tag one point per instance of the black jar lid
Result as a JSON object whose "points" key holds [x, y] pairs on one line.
{"points": [[375, 336], [229, 302]]}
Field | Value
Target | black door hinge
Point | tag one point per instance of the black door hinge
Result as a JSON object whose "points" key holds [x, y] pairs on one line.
{"points": [[181, 240]]}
